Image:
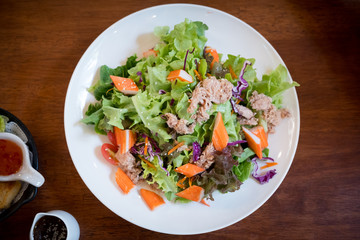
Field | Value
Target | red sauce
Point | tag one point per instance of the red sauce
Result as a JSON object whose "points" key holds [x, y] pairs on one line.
{"points": [[11, 157]]}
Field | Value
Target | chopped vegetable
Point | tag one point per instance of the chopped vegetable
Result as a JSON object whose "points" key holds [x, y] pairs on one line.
{"points": [[205, 203], [268, 164], [220, 137], [262, 178], [176, 147], [189, 169], [193, 193], [180, 74], [196, 151], [123, 181], [146, 145], [151, 199], [125, 139], [125, 85], [147, 162], [108, 151]]}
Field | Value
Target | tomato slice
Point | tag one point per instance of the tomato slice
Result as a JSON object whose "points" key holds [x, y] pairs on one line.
{"points": [[111, 137], [108, 151]]}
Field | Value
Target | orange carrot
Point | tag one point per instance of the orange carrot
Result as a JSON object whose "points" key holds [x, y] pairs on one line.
{"points": [[198, 75], [189, 169], [205, 203], [253, 141], [151, 199], [146, 145], [123, 181], [147, 162], [220, 137], [269, 164], [180, 183], [180, 74], [214, 54], [260, 133], [176, 147], [193, 193], [125, 85], [233, 74], [125, 139], [150, 52]]}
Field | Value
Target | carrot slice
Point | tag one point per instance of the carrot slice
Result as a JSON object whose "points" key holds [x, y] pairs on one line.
{"points": [[193, 193], [220, 138], [151, 199], [147, 162], [189, 169], [260, 133], [198, 75], [214, 54], [180, 183], [180, 74], [125, 85], [176, 147], [233, 74], [253, 141], [205, 203], [125, 139], [150, 52], [269, 164], [123, 181]]}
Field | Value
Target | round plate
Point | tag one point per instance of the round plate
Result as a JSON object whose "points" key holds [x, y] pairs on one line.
{"points": [[228, 35], [28, 191]]}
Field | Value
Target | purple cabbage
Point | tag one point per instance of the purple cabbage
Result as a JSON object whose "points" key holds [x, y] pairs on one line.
{"points": [[242, 84], [187, 52], [196, 151], [139, 73], [172, 102], [161, 91], [236, 142], [262, 178]]}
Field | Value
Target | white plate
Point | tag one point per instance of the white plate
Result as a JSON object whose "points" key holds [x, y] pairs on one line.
{"points": [[133, 34]]}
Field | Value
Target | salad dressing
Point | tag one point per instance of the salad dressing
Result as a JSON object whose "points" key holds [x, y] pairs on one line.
{"points": [[11, 157]]}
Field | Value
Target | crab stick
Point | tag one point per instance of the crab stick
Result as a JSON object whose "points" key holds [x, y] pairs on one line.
{"points": [[125, 139], [220, 137], [254, 142], [151, 199], [125, 85], [193, 193], [180, 74], [189, 169], [123, 181]]}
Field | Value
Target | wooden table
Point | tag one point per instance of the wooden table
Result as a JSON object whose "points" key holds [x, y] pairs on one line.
{"points": [[42, 41]]}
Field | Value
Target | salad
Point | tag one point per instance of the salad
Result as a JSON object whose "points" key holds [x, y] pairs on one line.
{"points": [[187, 120]]}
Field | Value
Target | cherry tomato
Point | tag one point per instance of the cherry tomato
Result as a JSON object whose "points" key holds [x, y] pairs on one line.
{"points": [[112, 137], [108, 151]]}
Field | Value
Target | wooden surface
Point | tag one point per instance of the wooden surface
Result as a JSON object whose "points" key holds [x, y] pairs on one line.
{"points": [[42, 41]]}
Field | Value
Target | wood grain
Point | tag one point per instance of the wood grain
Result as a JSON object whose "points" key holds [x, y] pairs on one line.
{"points": [[42, 41]]}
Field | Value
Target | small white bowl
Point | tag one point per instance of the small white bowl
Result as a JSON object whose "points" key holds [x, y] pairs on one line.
{"points": [[26, 173], [72, 226]]}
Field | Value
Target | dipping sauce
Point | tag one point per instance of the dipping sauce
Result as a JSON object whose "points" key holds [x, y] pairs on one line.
{"points": [[50, 227], [11, 157]]}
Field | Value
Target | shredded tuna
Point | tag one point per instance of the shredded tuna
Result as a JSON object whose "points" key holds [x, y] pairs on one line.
{"points": [[260, 101], [210, 90], [207, 157], [246, 116], [270, 112], [128, 164], [180, 126]]}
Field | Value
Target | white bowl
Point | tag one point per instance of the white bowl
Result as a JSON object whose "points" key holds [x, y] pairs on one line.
{"points": [[72, 226]]}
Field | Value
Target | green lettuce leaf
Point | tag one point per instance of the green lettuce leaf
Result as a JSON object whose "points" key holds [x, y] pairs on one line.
{"points": [[164, 182]]}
